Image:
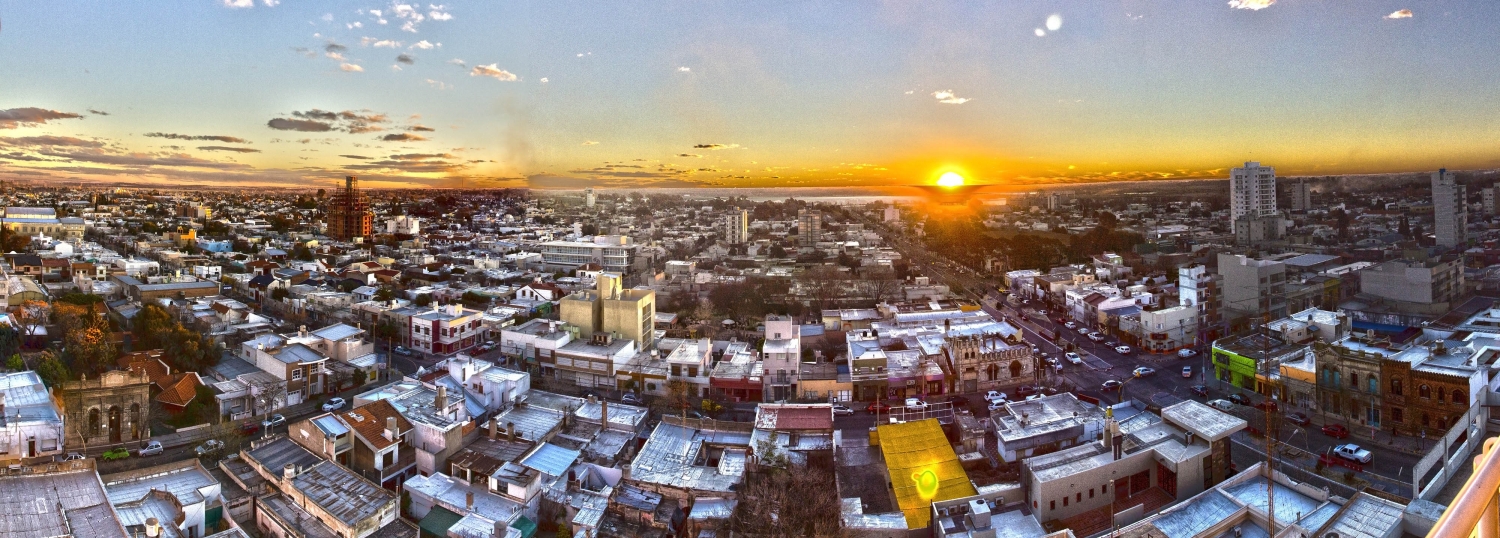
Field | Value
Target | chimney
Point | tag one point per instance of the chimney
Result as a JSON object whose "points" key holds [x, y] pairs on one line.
{"points": [[469, 500], [625, 472], [153, 527], [491, 425], [441, 400], [510, 431], [391, 430], [289, 471], [604, 414]]}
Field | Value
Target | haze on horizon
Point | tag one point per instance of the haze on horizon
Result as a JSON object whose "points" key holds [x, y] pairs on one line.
{"points": [[568, 94]]}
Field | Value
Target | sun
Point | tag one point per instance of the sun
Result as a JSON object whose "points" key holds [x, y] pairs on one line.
{"points": [[951, 179]]}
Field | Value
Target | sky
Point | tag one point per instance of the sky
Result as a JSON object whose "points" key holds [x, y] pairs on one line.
{"points": [[664, 93]]}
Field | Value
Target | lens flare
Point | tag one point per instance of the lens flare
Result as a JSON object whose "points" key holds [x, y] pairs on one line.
{"points": [[950, 179]]}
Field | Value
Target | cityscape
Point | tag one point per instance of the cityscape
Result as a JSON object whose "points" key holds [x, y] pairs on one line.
{"points": [[609, 278]]}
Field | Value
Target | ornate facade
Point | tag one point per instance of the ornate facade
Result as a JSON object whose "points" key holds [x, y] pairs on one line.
{"points": [[111, 409], [981, 363]]}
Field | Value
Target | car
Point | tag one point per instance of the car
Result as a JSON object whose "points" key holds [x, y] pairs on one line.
{"points": [[73, 456], [878, 407], [113, 454], [1201, 390], [1336, 431], [150, 448], [1096, 337], [1222, 405], [1071, 325], [1074, 358], [1113, 344], [840, 410], [1110, 385], [1239, 399], [1123, 350], [402, 351], [631, 398], [1143, 371], [209, 447], [959, 400], [916, 404], [1267, 405], [1352, 452], [1026, 390], [1186, 353], [994, 395], [333, 404], [1298, 419], [1187, 371], [1083, 331], [1035, 349], [273, 421], [1052, 361], [996, 404], [249, 428]]}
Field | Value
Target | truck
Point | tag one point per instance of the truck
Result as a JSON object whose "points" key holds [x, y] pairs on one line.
{"points": [[1352, 452]]}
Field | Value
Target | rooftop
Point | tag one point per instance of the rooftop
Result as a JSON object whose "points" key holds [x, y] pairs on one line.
{"points": [[1202, 420], [186, 480], [342, 493], [922, 468], [686, 454], [58, 503]]}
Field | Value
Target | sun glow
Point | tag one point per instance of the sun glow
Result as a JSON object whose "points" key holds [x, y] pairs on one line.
{"points": [[950, 179]]}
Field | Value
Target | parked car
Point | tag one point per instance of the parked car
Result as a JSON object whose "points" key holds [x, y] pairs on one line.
{"points": [[209, 447], [840, 410], [1187, 371], [1083, 331], [878, 407], [1025, 390], [273, 421], [249, 428], [1267, 404], [1239, 399], [1336, 431], [1200, 390], [916, 404], [402, 351], [1352, 452], [994, 395], [1071, 325], [958, 400], [1298, 419], [995, 404], [1186, 353], [1110, 385], [113, 454], [333, 404], [1074, 358], [631, 398], [151, 448], [1096, 337], [1123, 350], [73, 456], [1143, 371], [1222, 405]]}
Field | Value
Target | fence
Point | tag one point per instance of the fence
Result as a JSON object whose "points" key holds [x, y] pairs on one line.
{"points": [[1304, 475], [1449, 451]]}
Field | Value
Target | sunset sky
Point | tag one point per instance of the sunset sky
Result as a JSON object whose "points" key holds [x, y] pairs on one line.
{"points": [[672, 94]]}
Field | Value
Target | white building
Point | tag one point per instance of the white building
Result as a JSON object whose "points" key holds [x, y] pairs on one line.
{"points": [[1450, 212], [403, 224], [782, 352], [737, 226], [1301, 196], [1252, 191], [30, 423], [589, 198], [1489, 200]]}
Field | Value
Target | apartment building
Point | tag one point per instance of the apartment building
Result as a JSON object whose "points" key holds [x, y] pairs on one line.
{"points": [[782, 354], [445, 329], [1253, 287], [628, 314]]}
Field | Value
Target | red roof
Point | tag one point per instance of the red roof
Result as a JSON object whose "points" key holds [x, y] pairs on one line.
{"points": [[368, 422], [803, 418], [181, 390]]}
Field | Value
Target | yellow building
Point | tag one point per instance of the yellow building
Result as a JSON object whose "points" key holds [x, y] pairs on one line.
{"points": [[626, 313], [923, 468]]}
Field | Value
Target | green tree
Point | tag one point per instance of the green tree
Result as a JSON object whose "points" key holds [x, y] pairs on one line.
{"points": [[360, 377], [279, 294], [778, 252], [15, 363], [423, 300], [52, 371], [148, 327], [385, 293]]}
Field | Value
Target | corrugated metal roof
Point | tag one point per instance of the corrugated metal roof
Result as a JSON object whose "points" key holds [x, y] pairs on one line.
{"points": [[923, 468], [551, 459]]}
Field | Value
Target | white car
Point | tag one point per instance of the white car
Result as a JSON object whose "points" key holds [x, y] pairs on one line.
{"points": [[994, 395], [1186, 353], [273, 421], [1071, 325], [1222, 405], [1123, 350], [1144, 371], [333, 404], [1187, 371], [1352, 452], [996, 404], [1096, 337], [916, 404], [151, 448], [842, 410], [73, 456], [1074, 358]]}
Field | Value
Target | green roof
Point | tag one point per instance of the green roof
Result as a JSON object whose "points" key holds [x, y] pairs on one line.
{"points": [[438, 521], [526, 526]]}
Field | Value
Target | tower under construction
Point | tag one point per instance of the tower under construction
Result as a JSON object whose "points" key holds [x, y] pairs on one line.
{"points": [[349, 213]]}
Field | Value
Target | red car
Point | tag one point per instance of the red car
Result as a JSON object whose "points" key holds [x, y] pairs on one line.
{"points": [[1264, 404], [878, 407], [1336, 431]]}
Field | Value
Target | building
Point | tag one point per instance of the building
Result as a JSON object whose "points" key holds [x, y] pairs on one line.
{"points": [[313, 490], [589, 198], [686, 458], [382, 445], [1426, 285], [64, 499], [34, 221], [403, 225], [154, 288], [782, 354], [181, 494], [922, 468], [628, 314], [302, 369], [1450, 210], [445, 329], [111, 409], [1252, 191], [31, 426], [349, 216], [737, 226], [1301, 196], [1169, 329], [984, 362], [1052, 422], [809, 227], [1251, 287], [1488, 195], [1256, 230]]}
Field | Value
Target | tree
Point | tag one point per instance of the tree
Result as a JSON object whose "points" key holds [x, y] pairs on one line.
{"points": [[423, 300], [149, 326], [51, 370], [15, 363], [88, 349], [279, 294], [1107, 220], [777, 252], [32, 316], [881, 283], [10, 340], [824, 284], [268, 395], [385, 293], [360, 377], [1341, 222]]}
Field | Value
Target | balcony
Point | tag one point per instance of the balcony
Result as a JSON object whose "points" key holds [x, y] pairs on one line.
{"points": [[1475, 511]]}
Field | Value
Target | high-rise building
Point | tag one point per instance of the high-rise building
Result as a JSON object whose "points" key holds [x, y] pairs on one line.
{"points": [[809, 227], [737, 226], [1252, 191], [609, 308], [588, 197], [1489, 199], [1301, 196], [349, 214], [1450, 212], [1251, 287]]}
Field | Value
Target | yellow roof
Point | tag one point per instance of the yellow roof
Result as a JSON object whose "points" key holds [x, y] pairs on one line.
{"points": [[923, 468]]}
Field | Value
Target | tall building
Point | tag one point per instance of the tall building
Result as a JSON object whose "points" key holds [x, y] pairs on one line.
{"points": [[349, 214], [737, 226], [1489, 199], [809, 227], [1301, 196], [1252, 191], [589, 199], [1251, 287], [1450, 212], [629, 314]]}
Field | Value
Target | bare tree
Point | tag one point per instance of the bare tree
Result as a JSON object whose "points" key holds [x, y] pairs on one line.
{"points": [[824, 284], [267, 396], [881, 283]]}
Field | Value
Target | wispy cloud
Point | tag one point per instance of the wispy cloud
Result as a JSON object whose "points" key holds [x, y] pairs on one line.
{"points": [[305, 52], [351, 68], [715, 147], [98, 112], [589, 143], [38, 141], [684, 69], [424, 45], [457, 62], [543, 80], [31, 116], [439, 84], [239, 4], [215, 138], [228, 148], [420, 128], [492, 71], [284, 124], [1254, 5], [948, 97], [316, 120], [690, 155], [1400, 14], [354, 156], [403, 137], [334, 47]]}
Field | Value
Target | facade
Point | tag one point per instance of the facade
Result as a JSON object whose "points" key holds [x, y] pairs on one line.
{"points": [[809, 227], [981, 363], [349, 215], [382, 447], [1416, 282], [1428, 389], [1252, 191], [33, 221], [737, 226], [1252, 287], [614, 253], [403, 225], [1168, 329], [1349, 380], [589, 198], [445, 330], [1301, 196], [32, 425], [302, 368], [782, 354], [628, 314], [111, 409], [1052, 422], [1488, 196], [1450, 210]]}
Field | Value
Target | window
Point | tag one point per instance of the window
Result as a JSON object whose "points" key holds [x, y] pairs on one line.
{"points": [[1374, 385], [1079, 497], [1051, 505], [1458, 397], [296, 374], [1440, 396], [1065, 502], [1091, 493], [1424, 392], [1354, 380], [1396, 387], [1104, 488], [1396, 414]]}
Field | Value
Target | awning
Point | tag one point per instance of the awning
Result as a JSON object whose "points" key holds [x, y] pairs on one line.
{"points": [[438, 521], [526, 526]]}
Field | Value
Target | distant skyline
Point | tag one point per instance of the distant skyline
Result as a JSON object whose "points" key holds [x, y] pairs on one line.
{"points": [[564, 94]]}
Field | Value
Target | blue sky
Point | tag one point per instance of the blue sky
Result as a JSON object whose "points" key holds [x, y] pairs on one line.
{"points": [[640, 94]]}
